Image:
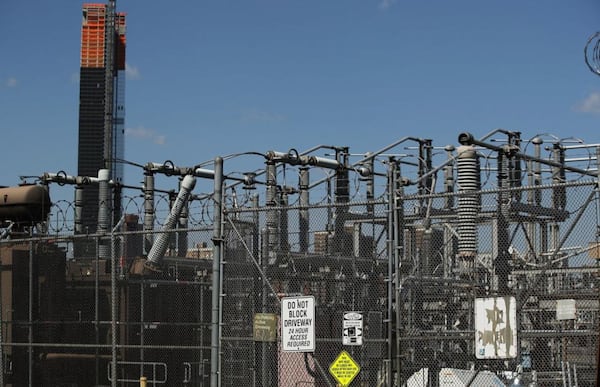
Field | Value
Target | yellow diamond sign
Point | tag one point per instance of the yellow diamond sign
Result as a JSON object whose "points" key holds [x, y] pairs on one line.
{"points": [[344, 369]]}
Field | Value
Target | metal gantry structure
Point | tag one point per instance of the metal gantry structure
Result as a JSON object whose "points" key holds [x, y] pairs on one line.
{"points": [[476, 262]]}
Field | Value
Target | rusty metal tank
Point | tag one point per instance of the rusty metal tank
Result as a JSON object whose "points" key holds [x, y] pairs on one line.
{"points": [[24, 203]]}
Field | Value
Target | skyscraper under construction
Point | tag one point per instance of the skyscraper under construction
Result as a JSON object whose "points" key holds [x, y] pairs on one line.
{"points": [[101, 107]]}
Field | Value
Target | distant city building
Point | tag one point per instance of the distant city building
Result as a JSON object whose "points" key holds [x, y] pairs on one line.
{"points": [[101, 105]]}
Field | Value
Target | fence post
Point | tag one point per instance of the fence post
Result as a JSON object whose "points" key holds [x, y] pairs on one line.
{"points": [[216, 276]]}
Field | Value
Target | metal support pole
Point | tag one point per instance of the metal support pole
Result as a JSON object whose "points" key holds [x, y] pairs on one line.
{"points": [[113, 301], [449, 179], [30, 313], [148, 210], [342, 197], [103, 210], [97, 315], [398, 230], [1, 340], [537, 169], [256, 226], [109, 79], [265, 377], [182, 236], [142, 325], [425, 165], [530, 226], [113, 320], [392, 251], [271, 215], [598, 165], [304, 214], [559, 195], [215, 374], [283, 221], [370, 186], [501, 264]]}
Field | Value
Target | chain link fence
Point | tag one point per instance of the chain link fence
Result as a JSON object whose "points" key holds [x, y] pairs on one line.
{"points": [[490, 280]]}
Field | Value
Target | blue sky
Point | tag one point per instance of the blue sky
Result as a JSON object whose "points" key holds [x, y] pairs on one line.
{"points": [[209, 78]]}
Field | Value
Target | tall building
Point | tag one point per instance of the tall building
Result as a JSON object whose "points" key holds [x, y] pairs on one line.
{"points": [[101, 106]]}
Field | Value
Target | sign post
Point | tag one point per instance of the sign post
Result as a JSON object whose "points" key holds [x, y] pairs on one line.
{"points": [[298, 324]]}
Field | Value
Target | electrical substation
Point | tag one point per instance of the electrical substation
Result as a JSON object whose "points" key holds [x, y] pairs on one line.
{"points": [[417, 264]]}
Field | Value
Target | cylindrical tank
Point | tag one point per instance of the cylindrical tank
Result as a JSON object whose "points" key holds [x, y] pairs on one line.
{"points": [[24, 203]]}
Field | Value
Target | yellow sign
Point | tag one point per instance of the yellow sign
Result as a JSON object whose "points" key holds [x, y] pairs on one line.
{"points": [[265, 327], [344, 369]]}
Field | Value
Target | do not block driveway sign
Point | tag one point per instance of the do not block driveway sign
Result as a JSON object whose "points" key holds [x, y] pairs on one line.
{"points": [[298, 324]]}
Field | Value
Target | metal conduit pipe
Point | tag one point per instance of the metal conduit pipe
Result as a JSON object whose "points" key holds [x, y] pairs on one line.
{"points": [[206, 173], [159, 248], [468, 139], [468, 178], [292, 157], [62, 178]]}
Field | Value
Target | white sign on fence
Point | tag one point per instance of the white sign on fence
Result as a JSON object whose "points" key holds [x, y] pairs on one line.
{"points": [[495, 328], [298, 324], [352, 330]]}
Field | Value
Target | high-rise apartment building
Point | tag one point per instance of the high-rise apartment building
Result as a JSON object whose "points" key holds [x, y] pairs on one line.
{"points": [[101, 105]]}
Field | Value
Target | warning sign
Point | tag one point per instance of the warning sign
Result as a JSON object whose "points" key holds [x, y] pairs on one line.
{"points": [[344, 369], [265, 327], [298, 324], [352, 328]]}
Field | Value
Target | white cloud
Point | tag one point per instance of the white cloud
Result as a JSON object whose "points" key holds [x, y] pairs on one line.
{"points": [[591, 104], [11, 82], [385, 4], [132, 72], [255, 115], [146, 134]]}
